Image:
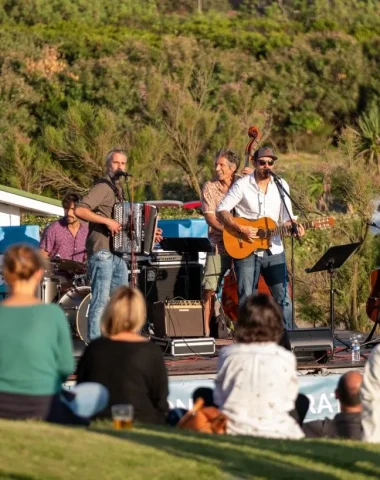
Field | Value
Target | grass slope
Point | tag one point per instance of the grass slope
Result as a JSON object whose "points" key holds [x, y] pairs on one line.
{"points": [[39, 451]]}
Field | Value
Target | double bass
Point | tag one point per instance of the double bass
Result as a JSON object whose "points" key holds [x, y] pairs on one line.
{"points": [[373, 302]]}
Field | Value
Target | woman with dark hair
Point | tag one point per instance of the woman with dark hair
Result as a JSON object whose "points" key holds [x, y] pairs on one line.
{"points": [[125, 362], [36, 351], [256, 385]]}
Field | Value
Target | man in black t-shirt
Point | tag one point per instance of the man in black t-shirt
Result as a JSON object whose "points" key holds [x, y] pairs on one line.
{"points": [[347, 423]]}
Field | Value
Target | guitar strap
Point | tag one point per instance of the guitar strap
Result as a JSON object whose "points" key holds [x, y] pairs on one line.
{"points": [[118, 193]]}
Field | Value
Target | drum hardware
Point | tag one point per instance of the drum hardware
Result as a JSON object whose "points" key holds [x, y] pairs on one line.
{"points": [[79, 280]]}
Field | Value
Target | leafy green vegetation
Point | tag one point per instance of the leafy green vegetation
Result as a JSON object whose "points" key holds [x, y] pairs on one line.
{"points": [[176, 80], [173, 81]]}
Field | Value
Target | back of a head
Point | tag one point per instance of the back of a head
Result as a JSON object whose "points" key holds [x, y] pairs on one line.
{"points": [[125, 312], [21, 262], [348, 389], [259, 320]]}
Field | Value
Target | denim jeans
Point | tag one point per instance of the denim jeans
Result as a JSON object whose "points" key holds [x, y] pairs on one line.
{"points": [[107, 272], [273, 269]]}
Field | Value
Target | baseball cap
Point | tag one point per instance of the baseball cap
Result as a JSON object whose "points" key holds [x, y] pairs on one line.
{"points": [[264, 152]]}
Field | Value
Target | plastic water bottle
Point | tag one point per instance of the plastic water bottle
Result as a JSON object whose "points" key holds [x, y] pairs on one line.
{"points": [[355, 348]]}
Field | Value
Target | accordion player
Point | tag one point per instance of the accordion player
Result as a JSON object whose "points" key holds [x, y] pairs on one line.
{"points": [[139, 222]]}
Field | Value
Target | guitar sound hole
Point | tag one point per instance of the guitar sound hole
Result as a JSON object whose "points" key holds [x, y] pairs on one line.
{"points": [[261, 233]]}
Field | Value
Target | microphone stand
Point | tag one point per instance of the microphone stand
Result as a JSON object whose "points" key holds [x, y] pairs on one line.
{"points": [[294, 231]]}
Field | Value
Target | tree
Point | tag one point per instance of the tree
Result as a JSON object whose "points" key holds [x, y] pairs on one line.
{"points": [[23, 164], [79, 147], [369, 137], [189, 122]]}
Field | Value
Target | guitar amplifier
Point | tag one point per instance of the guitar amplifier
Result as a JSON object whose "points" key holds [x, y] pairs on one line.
{"points": [[181, 318], [158, 283]]}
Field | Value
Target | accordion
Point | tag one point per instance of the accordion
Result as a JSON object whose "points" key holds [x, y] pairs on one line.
{"points": [[137, 232]]}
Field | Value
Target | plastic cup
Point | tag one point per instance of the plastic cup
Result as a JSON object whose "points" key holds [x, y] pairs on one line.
{"points": [[122, 416]]}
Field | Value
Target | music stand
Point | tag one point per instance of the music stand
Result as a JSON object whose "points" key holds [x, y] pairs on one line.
{"points": [[186, 246], [330, 261]]}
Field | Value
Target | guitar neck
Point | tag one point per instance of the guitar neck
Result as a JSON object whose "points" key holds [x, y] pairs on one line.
{"points": [[287, 229]]}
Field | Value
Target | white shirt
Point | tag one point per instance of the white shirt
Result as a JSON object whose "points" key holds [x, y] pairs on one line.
{"points": [[251, 203], [256, 388], [370, 395]]}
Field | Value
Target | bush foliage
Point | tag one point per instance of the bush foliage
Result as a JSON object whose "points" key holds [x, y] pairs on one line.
{"points": [[173, 81], [177, 79]]}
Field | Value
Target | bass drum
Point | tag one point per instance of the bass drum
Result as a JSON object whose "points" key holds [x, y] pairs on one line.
{"points": [[75, 304]]}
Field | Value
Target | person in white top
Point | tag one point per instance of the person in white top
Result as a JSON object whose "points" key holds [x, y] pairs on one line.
{"points": [[252, 197], [370, 396], [256, 385]]}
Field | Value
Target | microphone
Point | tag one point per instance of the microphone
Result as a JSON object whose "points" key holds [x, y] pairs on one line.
{"points": [[119, 173], [269, 172]]}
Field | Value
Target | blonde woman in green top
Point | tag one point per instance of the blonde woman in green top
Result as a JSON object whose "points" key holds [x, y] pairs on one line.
{"points": [[36, 349]]}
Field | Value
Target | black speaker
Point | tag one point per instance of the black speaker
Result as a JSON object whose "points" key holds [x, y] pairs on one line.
{"points": [[158, 283], [309, 344]]}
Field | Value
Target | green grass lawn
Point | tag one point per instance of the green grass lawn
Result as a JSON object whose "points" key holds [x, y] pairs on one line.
{"points": [[39, 451]]}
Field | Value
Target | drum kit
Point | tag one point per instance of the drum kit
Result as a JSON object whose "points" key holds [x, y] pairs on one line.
{"points": [[66, 283]]}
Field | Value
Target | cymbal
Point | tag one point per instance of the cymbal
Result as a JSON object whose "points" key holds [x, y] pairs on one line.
{"points": [[68, 265]]}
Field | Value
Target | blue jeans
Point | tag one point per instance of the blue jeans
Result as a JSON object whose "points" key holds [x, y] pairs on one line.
{"points": [[107, 272], [273, 269]]}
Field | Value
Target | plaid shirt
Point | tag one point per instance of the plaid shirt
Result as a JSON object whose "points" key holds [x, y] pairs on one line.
{"points": [[213, 193]]}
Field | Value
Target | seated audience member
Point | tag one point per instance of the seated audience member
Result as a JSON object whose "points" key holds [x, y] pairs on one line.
{"points": [[131, 367], [256, 385], [36, 351], [347, 423], [370, 396]]}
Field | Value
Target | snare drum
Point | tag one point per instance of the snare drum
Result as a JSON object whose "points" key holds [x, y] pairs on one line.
{"points": [[76, 303]]}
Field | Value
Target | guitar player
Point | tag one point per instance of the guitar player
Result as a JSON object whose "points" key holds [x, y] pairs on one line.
{"points": [[253, 197]]}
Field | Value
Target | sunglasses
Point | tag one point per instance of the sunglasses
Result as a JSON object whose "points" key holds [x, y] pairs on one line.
{"points": [[266, 162]]}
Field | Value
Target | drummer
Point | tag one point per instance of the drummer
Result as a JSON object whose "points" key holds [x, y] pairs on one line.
{"points": [[66, 237]]}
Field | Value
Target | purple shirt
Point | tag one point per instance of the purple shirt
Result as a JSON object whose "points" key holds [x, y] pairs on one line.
{"points": [[58, 240]]}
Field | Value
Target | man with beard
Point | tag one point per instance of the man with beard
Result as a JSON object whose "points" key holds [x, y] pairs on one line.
{"points": [[107, 269], [252, 197], [66, 238]]}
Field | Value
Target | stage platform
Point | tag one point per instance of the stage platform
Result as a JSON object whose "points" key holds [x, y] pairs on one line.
{"points": [[207, 365], [316, 380], [200, 365]]}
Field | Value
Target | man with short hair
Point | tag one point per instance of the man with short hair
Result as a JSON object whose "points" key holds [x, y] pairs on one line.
{"points": [[226, 165], [253, 197], [106, 269], [347, 423], [66, 238]]}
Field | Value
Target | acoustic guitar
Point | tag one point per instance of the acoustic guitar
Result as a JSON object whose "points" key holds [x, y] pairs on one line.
{"points": [[238, 248]]}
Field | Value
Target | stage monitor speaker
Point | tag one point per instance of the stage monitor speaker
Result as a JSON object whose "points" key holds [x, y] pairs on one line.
{"points": [[160, 283], [183, 318], [309, 344]]}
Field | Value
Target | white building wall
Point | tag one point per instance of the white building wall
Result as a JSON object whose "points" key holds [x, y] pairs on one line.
{"points": [[9, 215]]}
